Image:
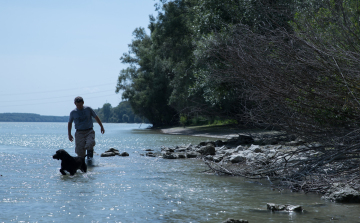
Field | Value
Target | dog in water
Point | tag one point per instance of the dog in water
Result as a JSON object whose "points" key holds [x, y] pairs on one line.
{"points": [[69, 163]]}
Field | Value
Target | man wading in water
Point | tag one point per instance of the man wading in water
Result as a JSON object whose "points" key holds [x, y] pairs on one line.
{"points": [[85, 134]]}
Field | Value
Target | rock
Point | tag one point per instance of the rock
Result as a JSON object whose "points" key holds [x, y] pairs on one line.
{"points": [[231, 220], [192, 154], [237, 158], [241, 140], [169, 156], [189, 147], [240, 148], [217, 158], [181, 155], [124, 154], [150, 154], [209, 149], [112, 150], [227, 152], [255, 149], [180, 149], [209, 157], [296, 208], [219, 143], [218, 149], [166, 149], [107, 154], [286, 207], [148, 150], [205, 143], [255, 157], [271, 153], [342, 193]]}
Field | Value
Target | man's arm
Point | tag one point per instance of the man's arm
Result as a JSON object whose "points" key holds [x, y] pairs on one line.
{"points": [[101, 125], [71, 138]]}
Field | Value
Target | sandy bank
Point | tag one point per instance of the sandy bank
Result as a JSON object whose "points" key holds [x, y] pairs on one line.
{"points": [[217, 131]]}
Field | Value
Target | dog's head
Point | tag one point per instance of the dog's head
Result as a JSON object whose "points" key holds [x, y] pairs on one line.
{"points": [[60, 154]]}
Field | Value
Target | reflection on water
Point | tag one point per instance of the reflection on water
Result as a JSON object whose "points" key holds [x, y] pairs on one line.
{"points": [[134, 188]]}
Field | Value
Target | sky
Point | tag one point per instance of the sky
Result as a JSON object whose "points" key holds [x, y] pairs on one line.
{"points": [[53, 51]]}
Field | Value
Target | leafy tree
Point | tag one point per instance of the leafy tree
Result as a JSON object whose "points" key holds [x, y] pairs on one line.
{"points": [[125, 118], [106, 111], [116, 114], [173, 40], [144, 84], [156, 80], [167, 74], [215, 20]]}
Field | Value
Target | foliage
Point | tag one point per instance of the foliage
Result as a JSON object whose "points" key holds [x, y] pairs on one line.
{"points": [[122, 113], [183, 120], [144, 84], [167, 74]]}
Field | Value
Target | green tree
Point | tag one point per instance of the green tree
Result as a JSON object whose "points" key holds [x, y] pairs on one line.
{"points": [[106, 111], [218, 93], [165, 76], [115, 115], [125, 118], [143, 83]]}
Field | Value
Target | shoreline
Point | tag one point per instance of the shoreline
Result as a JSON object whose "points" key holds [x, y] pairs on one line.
{"points": [[253, 153], [213, 131]]}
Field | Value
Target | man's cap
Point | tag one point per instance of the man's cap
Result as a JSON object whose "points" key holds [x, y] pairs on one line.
{"points": [[78, 99]]}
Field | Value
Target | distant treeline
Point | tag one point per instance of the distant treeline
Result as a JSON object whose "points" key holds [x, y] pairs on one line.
{"points": [[123, 113], [29, 117]]}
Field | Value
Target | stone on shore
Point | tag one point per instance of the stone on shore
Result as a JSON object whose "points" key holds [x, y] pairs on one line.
{"points": [[284, 207], [241, 140], [124, 154], [237, 158], [209, 149], [192, 154], [169, 156], [167, 149], [107, 154], [113, 152], [231, 220], [150, 154], [342, 193]]}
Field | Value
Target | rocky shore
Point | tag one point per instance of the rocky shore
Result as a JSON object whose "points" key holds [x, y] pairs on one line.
{"points": [[249, 154], [259, 154]]}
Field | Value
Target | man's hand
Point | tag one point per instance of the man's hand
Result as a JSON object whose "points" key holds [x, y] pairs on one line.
{"points": [[71, 138], [101, 125]]}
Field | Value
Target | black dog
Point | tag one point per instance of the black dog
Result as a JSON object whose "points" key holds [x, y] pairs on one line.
{"points": [[70, 163]]}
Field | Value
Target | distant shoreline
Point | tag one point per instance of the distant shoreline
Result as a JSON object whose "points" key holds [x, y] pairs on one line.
{"points": [[30, 117]]}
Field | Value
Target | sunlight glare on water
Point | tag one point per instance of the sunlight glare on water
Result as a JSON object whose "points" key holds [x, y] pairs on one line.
{"points": [[135, 188]]}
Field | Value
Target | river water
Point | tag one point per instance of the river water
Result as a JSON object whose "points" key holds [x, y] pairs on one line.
{"points": [[135, 188]]}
